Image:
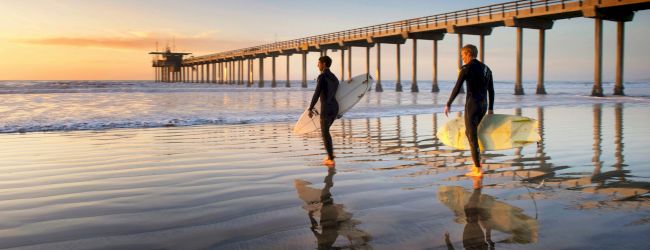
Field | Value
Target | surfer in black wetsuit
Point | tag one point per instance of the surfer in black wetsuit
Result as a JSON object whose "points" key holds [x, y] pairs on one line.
{"points": [[479, 89], [326, 86]]}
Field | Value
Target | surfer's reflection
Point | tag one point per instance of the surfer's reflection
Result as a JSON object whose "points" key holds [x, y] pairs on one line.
{"points": [[481, 213], [328, 219]]}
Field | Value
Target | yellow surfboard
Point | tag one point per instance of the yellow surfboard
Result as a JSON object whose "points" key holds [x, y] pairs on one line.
{"points": [[496, 132]]}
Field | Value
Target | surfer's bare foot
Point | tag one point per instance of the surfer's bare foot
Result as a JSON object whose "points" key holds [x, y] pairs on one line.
{"points": [[475, 172], [329, 162]]}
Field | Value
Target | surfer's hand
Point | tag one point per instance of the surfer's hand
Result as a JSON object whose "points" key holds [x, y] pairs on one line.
{"points": [[447, 111], [311, 113], [490, 112]]}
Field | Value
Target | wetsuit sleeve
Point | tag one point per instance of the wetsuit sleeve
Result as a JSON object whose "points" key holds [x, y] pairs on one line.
{"points": [[459, 83], [490, 88], [314, 98]]}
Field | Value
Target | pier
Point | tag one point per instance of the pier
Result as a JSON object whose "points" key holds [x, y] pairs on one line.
{"points": [[228, 67]]}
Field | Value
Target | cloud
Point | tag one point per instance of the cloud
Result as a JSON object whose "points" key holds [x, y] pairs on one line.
{"points": [[142, 40]]}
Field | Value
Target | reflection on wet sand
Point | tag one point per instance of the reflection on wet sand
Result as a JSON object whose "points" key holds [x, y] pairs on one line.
{"points": [[481, 214], [333, 219], [537, 170]]}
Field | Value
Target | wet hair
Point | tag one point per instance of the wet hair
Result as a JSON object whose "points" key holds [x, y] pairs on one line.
{"points": [[471, 49], [326, 60]]}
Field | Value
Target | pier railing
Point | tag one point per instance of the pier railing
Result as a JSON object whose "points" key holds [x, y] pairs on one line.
{"points": [[488, 11]]}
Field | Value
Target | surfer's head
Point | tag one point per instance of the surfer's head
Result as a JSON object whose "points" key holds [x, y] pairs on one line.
{"points": [[324, 62], [469, 52]]}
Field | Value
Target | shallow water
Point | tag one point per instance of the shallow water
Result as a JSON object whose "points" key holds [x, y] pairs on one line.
{"points": [[94, 105], [252, 186]]}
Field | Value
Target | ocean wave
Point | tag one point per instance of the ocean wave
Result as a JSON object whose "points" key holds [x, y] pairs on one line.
{"points": [[118, 125]]}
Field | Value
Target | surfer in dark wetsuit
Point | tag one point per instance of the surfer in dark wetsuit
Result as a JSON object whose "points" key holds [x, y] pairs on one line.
{"points": [[480, 88], [326, 86]]}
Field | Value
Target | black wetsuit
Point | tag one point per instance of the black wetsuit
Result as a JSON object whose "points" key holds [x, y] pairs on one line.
{"points": [[479, 88], [326, 86]]}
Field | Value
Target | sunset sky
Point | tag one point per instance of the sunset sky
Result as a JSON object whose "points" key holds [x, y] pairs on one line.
{"points": [[109, 40]]}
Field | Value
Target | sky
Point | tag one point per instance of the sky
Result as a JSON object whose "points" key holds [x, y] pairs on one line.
{"points": [[110, 39]]}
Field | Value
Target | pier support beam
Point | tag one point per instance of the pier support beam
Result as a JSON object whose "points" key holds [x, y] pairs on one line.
{"points": [[414, 84], [541, 24], [232, 70], [219, 71], [398, 83], [273, 83], [620, 50], [519, 90], [460, 49], [367, 62], [202, 73], [619, 16], [378, 87], [214, 72], [540, 65], [460, 57], [481, 48], [434, 80], [598, 57], [349, 65], [241, 72], [251, 71], [288, 83], [207, 72], [261, 80], [342, 64], [304, 69]]}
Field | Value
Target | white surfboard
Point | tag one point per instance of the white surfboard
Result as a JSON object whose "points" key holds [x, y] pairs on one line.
{"points": [[347, 95], [496, 132]]}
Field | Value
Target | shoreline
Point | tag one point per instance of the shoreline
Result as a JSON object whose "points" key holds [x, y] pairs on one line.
{"points": [[239, 186]]}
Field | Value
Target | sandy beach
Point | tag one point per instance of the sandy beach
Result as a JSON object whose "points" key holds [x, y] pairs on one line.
{"points": [[395, 186]]}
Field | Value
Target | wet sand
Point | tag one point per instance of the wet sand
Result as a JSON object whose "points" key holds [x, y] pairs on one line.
{"points": [[394, 187]]}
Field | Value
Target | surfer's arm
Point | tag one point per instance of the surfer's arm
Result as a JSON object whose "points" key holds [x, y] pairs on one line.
{"points": [[490, 88], [314, 98], [459, 83]]}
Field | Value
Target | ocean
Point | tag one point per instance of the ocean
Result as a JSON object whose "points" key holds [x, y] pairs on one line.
{"points": [[38, 106]]}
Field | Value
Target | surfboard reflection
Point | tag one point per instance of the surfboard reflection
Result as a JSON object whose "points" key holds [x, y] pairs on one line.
{"points": [[328, 219], [481, 214]]}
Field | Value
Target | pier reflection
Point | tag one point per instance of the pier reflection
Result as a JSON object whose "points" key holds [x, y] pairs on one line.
{"points": [[329, 220], [387, 137]]}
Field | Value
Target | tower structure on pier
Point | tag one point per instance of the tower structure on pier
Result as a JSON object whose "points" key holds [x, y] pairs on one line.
{"points": [[167, 65]]}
